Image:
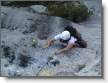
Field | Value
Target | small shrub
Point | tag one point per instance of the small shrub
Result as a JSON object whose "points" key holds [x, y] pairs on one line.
{"points": [[57, 10], [75, 12], [79, 13]]}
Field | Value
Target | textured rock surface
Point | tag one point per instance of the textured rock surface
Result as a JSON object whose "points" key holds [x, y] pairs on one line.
{"points": [[20, 27]]}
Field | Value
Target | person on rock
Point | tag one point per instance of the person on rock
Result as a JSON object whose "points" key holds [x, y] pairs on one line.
{"points": [[69, 38]]}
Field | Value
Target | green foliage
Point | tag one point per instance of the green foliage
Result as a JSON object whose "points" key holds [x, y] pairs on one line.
{"points": [[72, 10], [75, 12], [57, 10]]}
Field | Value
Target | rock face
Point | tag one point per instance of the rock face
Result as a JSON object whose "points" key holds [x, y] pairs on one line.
{"points": [[21, 58]]}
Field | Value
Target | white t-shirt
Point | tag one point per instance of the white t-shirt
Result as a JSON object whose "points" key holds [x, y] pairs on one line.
{"points": [[71, 41]]}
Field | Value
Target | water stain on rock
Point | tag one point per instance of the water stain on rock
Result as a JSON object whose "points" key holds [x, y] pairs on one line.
{"points": [[43, 31], [9, 54], [24, 60]]}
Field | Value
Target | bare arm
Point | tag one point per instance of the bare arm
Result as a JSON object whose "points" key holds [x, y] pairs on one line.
{"points": [[68, 47], [49, 42]]}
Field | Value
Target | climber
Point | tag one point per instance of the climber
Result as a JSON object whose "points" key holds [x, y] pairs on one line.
{"points": [[69, 38]]}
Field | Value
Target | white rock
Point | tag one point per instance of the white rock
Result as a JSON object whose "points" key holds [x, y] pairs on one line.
{"points": [[38, 8]]}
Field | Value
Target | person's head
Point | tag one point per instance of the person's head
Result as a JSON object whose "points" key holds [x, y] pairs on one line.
{"points": [[65, 35], [71, 29]]}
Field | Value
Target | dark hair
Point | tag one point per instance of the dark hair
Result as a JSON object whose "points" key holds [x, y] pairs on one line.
{"points": [[73, 31]]}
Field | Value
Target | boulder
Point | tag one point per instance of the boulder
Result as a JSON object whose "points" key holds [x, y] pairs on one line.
{"points": [[38, 8]]}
